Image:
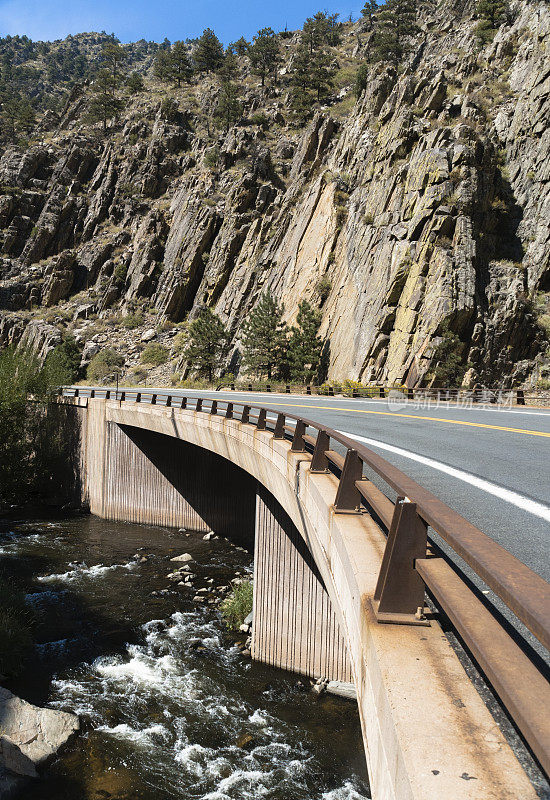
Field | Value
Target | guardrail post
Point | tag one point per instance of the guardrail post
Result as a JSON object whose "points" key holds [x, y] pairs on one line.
{"points": [[232, 387], [183, 403], [410, 394], [260, 423], [331, 391], [268, 387], [298, 444], [279, 432], [287, 389], [249, 387], [107, 394], [214, 407], [355, 393], [198, 407], [229, 411], [399, 593], [153, 399], [168, 401], [348, 498], [308, 389], [138, 397], [122, 396], [520, 397], [382, 392], [245, 416], [92, 392], [319, 462]]}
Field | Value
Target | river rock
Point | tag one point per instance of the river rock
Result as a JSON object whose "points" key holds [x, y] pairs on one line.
{"points": [[30, 734], [185, 557]]}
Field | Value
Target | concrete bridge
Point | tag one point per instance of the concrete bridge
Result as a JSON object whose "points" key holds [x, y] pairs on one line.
{"points": [[343, 556]]}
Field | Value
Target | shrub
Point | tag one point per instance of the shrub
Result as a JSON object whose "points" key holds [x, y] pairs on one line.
{"points": [[120, 272], [104, 365], [169, 109], [155, 354], [15, 629], [212, 158], [324, 285], [259, 119], [132, 321], [237, 605]]}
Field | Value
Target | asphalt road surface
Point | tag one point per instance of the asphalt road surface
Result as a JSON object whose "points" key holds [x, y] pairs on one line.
{"points": [[491, 465]]}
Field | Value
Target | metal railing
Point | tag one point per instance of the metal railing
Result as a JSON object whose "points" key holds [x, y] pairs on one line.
{"points": [[519, 397], [413, 562]]}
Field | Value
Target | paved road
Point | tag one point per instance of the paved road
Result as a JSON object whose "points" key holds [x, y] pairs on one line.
{"points": [[490, 465]]}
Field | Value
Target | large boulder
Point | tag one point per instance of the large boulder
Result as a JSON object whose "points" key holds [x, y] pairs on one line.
{"points": [[31, 735]]}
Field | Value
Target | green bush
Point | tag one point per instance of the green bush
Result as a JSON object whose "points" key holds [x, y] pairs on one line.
{"points": [[155, 354], [120, 272], [324, 285], [132, 321], [169, 109], [260, 119], [212, 158], [237, 605], [15, 629], [104, 365]]}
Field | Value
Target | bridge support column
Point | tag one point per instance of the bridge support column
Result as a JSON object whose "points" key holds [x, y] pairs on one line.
{"points": [[294, 626]]}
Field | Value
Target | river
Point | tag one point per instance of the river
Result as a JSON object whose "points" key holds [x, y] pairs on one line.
{"points": [[169, 706]]}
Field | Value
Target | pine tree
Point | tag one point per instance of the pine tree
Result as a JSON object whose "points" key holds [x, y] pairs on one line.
{"points": [[16, 116], [180, 64], [104, 104], [229, 108], [361, 80], [264, 53], [395, 23], [240, 47], [319, 30], [207, 344], [208, 55], [173, 65], [229, 69], [135, 84], [305, 346], [264, 337], [492, 14], [369, 9], [311, 79], [114, 56]]}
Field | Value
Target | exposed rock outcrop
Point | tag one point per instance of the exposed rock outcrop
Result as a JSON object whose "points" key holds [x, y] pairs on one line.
{"points": [[423, 210]]}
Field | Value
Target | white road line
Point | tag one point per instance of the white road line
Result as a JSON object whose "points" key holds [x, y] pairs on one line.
{"points": [[515, 499]]}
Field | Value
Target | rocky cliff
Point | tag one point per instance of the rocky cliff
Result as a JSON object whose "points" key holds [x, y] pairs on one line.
{"points": [[416, 215]]}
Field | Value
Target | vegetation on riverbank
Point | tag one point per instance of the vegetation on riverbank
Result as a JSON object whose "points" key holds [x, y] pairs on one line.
{"points": [[30, 441], [237, 605], [15, 629]]}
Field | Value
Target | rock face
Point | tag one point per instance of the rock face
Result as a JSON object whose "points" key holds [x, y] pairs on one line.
{"points": [[30, 735], [422, 211]]}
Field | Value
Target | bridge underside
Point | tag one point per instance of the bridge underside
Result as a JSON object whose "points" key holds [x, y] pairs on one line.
{"points": [[151, 478]]}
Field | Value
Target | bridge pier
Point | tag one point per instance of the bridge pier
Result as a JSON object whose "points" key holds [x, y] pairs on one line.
{"points": [[294, 625]]}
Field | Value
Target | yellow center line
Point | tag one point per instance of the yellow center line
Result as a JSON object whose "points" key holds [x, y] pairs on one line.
{"points": [[414, 416]]}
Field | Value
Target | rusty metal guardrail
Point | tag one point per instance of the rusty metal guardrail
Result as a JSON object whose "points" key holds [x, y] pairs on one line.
{"points": [[413, 562]]}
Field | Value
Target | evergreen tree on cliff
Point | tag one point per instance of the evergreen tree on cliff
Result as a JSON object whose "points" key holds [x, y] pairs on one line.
{"points": [[113, 55], [396, 22], [368, 11], [305, 346], [264, 337], [229, 109], [207, 344], [264, 53], [173, 65], [208, 55], [492, 14], [104, 104]]}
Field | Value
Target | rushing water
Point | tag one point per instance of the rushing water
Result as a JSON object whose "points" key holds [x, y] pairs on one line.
{"points": [[168, 705]]}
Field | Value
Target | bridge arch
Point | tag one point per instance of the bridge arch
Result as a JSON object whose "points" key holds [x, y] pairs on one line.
{"points": [[413, 695]]}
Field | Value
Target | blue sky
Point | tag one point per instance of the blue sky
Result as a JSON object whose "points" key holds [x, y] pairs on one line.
{"points": [[154, 19]]}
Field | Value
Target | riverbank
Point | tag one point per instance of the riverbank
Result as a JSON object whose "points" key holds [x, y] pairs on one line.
{"points": [[168, 704]]}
